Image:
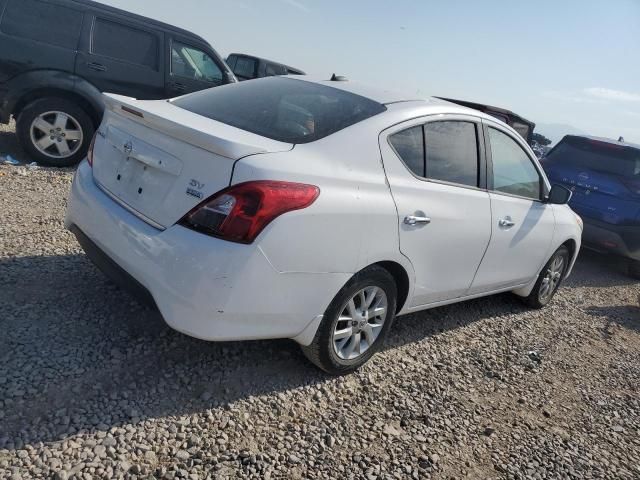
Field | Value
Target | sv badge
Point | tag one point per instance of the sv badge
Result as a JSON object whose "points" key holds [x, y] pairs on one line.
{"points": [[194, 189]]}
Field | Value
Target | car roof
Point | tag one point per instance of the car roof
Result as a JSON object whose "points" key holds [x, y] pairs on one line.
{"points": [[610, 141], [140, 18]]}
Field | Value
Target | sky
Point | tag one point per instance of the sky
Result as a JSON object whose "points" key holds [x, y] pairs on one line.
{"points": [[568, 66]]}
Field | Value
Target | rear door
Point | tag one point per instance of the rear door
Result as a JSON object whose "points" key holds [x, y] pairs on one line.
{"points": [[191, 67], [120, 56], [46, 40], [522, 223], [443, 207]]}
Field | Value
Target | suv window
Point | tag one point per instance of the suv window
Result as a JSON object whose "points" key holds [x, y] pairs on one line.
{"points": [[120, 42], [409, 145], [282, 108], [275, 69], [513, 170], [245, 68], [43, 22], [193, 63], [452, 152]]}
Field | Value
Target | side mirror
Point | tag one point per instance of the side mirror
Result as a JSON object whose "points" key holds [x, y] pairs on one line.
{"points": [[559, 195]]}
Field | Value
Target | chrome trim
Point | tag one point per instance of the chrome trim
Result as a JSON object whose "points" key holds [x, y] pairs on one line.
{"points": [[128, 207]]}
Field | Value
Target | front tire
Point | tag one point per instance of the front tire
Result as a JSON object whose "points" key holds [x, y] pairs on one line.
{"points": [[356, 322], [550, 279], [55, 131]]}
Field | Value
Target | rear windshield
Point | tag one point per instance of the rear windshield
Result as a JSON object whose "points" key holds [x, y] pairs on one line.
{"points": [[282, 109], [604, 157]]}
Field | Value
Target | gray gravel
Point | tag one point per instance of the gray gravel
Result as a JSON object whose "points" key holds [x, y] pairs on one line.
{"points": [[94, 386]]}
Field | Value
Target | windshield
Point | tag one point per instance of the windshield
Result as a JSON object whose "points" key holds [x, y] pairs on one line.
{"points": [[282, 109], [604, 157]]}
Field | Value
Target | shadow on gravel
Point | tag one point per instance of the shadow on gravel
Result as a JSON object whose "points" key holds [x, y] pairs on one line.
{"points": [[627, 316], [9, 145], [76, 353], [595, 269]]}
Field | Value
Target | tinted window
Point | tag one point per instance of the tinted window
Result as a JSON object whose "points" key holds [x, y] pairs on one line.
{"points": [[281, 108], [513, 171], [194, 64], [409, 145], [275, 69], [44, 22], [231, 61], [245, 68], [111, 39], [452, 152], [587, 154]]}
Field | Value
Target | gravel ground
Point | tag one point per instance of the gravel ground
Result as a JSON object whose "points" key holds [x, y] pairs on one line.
{"points": [[94, 386]]}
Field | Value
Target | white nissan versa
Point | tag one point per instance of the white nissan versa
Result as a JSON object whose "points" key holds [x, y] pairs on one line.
{"points": [[316, 210]]}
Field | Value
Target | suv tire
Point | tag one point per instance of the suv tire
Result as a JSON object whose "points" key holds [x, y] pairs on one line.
{"points": [[363, 334], [55, 131], [550, 279]]}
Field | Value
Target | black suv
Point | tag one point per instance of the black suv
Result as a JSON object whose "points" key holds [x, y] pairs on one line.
{"points": [[246, 67], [57, 56]]}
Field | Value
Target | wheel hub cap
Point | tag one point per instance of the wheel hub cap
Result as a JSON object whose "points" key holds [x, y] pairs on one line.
{"points": [[360, 323], [56, 134]]}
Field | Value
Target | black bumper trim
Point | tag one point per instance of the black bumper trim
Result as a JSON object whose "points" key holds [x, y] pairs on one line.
{"points": [[112, 270]]}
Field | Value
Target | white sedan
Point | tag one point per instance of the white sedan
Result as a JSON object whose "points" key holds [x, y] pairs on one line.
{"points": [[316, 210]]}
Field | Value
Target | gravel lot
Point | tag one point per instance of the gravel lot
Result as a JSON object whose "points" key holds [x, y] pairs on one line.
{"points": [[94, 386]]}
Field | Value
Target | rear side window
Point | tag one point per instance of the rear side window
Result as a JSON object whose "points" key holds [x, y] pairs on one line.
{"points": [[275, 69], [452, 152], [281, 108], [43, 22], [409, 145], [587, 154], [513, 170], [121, 42]]}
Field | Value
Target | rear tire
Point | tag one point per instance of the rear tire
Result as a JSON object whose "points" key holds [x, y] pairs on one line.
{"points": [[549, 280], [354, 328], [634, 269], [55, 131]]}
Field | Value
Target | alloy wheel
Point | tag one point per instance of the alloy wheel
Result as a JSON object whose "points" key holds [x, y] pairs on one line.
{"points": [[552, 278], [360, 323], [56, 134]]}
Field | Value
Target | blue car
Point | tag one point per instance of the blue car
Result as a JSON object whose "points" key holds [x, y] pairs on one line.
{"points": [[604, 176]]}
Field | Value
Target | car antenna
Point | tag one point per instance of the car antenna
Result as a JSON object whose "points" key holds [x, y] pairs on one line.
{"points": [[338, 78], [621, 139]]}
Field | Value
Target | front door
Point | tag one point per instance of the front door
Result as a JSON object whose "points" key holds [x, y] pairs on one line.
{"points": [[191, 69], [523, 224], [436, 170]]}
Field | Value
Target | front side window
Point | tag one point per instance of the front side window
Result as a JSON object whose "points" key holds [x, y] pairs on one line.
{"points": [[513, 170], [128, 44], [43, 22], [194, 64], [281, 108], [245, 68], [452, 152]]}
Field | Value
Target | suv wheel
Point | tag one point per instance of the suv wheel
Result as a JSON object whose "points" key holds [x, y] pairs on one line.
{"points": [[634, 268], [550, 279], [355, 323], [55, 131]]}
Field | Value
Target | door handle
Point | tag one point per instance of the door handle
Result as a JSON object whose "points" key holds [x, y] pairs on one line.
{"points": [[506, 222], [98, 67], [413, 220]]}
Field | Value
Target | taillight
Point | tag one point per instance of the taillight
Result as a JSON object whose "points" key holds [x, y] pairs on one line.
{"points": [[239, 213], [90, 151]]}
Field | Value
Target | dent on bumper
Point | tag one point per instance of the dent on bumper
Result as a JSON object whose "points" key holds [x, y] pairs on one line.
{"points": [[204, 287]]}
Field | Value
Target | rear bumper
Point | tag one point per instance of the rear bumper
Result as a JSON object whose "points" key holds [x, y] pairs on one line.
{"points": [[614, 239], [204, 287]]}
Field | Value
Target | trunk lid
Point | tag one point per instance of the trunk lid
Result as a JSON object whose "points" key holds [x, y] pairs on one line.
{"points": [[159, 160]]}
